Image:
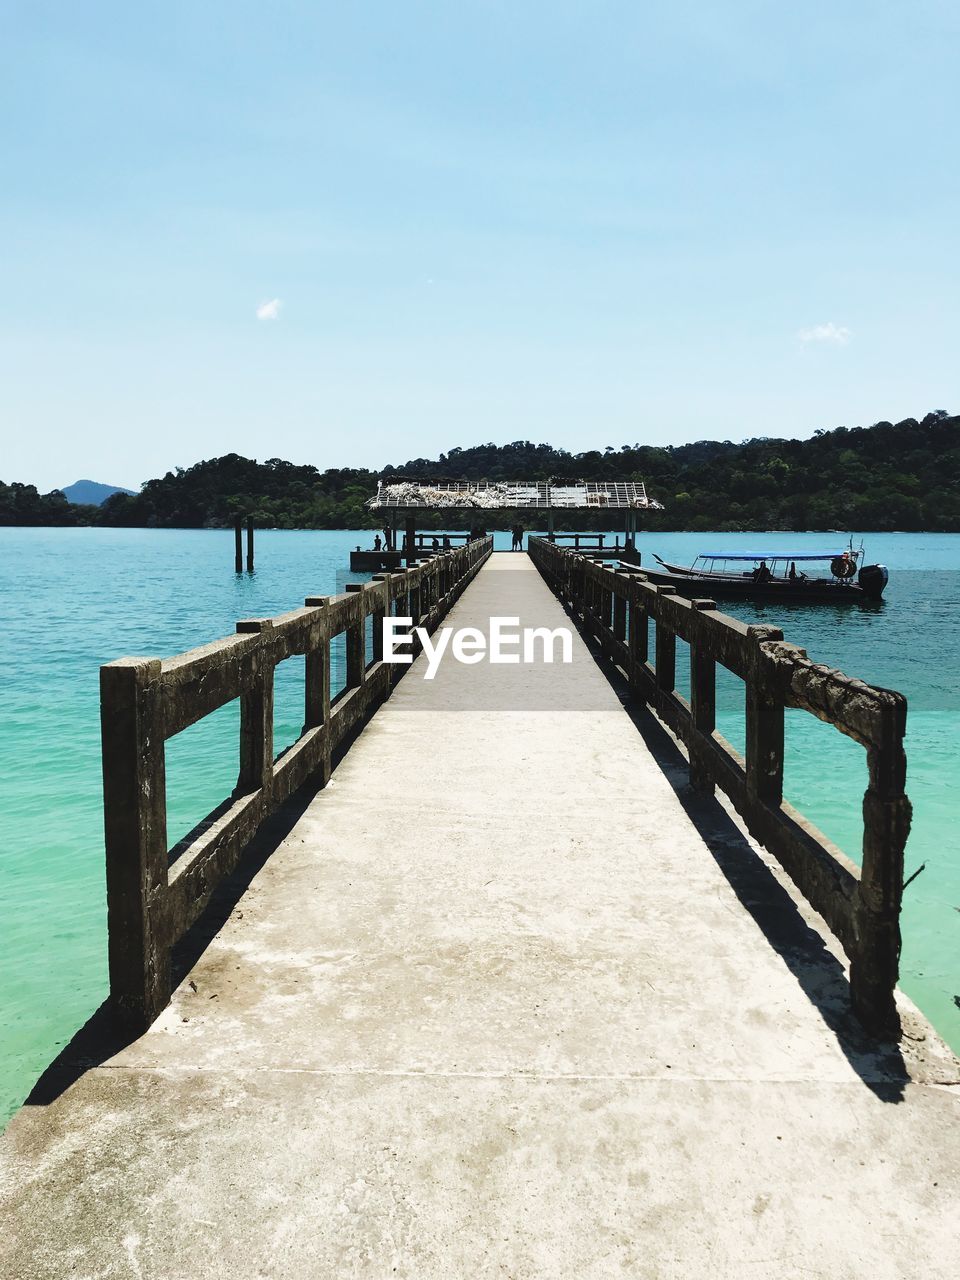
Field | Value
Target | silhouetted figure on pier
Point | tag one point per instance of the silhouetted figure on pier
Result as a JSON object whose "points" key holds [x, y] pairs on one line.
{"points": [[517, 537]]}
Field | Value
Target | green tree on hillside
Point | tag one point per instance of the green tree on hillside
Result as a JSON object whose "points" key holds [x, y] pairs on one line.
{"points": [[902, 476]]}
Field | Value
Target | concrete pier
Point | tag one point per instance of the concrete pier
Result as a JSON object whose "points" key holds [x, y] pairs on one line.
{"points": [[507, 1000]]}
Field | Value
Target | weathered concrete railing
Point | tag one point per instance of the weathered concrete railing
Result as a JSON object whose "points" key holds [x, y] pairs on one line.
{"points": [[860, 905], [155, 894], [586, 540]]}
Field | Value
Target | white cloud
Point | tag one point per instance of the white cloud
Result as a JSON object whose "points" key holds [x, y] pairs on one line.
{"points": [[838, 334], [269, 310]]}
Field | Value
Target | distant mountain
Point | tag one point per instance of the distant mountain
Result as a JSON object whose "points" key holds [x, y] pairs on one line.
{"points": [[91, 492]]}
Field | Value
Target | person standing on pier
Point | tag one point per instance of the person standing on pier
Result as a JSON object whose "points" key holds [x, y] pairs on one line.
{"points": [[517, 537]]}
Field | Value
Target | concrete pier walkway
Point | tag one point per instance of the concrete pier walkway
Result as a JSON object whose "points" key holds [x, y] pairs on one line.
{"points": [[506, 1001]]}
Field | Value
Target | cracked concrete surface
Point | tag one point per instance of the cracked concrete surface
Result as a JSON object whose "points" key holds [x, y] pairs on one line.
{"points": [[506, 1001]]}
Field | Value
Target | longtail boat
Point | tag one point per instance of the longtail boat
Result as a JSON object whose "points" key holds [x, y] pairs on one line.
{"points": [[775, 575]]}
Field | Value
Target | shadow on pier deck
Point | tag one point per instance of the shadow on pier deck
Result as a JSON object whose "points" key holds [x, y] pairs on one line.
{"points": [[541, 1010]]}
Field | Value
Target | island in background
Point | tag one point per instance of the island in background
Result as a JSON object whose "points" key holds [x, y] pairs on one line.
{"points": [[903, 476]]}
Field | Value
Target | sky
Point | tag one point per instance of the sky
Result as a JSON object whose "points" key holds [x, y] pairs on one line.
{"points": [[354, 235]]}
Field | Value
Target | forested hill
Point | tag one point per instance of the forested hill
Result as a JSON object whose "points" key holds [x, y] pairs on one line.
{"points": [[903, 476], [22, 504]]}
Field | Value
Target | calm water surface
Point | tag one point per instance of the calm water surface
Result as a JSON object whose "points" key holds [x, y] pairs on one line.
{"points": [[75, 598]]}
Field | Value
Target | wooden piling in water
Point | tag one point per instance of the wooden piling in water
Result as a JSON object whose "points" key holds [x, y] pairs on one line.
{"points": [[249, 544], [238, 544]]}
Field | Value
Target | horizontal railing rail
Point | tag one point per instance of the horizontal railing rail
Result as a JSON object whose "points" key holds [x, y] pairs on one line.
{"points": [[579, 539], [861, 905], [154, 894]]}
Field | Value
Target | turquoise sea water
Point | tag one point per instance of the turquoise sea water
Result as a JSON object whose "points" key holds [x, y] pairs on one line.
{"points": [[75, 598]]}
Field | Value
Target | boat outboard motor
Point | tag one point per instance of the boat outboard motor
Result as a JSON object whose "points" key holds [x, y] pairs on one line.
{"points": [[873, 578]]}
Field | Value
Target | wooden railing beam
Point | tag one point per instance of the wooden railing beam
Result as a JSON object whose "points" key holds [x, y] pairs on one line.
{"points": [[862, 907], [143, 701]]}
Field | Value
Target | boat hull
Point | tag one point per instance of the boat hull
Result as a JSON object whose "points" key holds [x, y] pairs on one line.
{"points": [[715, 586]]}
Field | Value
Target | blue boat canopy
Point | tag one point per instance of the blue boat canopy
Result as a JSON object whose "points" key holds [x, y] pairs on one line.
{"points": [[769, 555]]}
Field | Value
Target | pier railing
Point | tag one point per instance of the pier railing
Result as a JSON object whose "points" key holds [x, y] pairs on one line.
{"points": [[154, 894], [861, 905]]}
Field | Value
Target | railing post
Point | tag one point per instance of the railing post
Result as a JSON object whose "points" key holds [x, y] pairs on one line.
{"points": [[588, 595], [425, 601], [606, 607], [404, 604], [409, 600], [410, 540], [442, 575], [356, 644], [703, 700], [666, 655], [317, 669], [429, 579], [638, 624], [316, 685], [619, 618], [256, 715], [874, 967], [379, 615], [135, 832], [764, 717]]}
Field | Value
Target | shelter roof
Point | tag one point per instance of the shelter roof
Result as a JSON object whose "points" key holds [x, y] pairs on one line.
{"points": [[498, 495]]}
